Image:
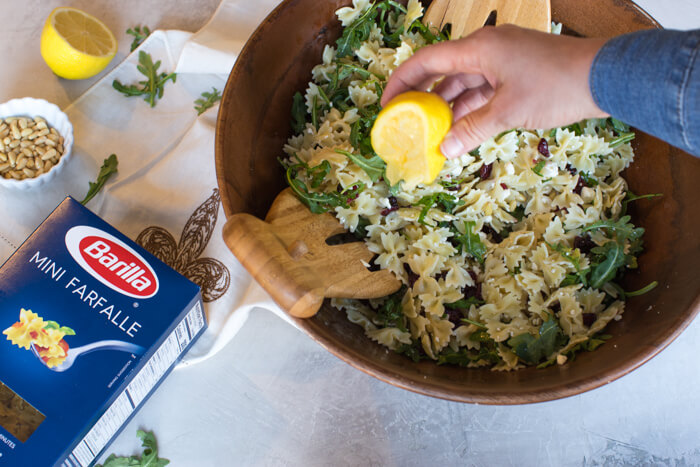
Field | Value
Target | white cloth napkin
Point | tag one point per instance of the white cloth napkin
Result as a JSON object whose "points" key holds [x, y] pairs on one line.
{"points": [[166, 167]]}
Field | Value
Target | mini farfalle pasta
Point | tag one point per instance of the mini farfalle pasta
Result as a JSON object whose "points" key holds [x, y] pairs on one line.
{"points": [[45, 337], [512, 242]]}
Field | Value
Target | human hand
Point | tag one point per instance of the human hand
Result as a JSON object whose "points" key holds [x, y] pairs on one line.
{"points": [[504, 77]]}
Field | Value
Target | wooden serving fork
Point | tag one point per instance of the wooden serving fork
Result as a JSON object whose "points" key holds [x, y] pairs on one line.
{"points": [[466, 16], [288, 255]]}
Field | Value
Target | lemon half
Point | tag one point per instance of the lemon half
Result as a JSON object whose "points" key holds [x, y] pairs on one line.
{"points": [[407, 135], [76, 45]]}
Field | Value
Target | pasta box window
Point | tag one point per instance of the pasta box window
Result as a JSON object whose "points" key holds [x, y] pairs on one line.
{"points": [[91, 323]]}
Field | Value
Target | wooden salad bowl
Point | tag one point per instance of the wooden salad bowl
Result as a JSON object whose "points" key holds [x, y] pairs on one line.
{"points": [[253, 125]]}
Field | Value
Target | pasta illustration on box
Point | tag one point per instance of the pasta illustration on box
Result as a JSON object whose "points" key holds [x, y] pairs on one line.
{"points": [[46, 337]]}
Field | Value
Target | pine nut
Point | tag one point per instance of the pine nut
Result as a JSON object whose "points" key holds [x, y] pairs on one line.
{"points": [[28, 147], [49, 154], [21, 162]]}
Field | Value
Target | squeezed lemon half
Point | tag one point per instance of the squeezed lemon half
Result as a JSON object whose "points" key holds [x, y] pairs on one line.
{"points": [[407, 135], [76, 45]]}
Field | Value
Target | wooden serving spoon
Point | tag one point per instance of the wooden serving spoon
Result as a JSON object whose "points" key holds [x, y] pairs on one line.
{"points": [[466, 16], [288, 255]]}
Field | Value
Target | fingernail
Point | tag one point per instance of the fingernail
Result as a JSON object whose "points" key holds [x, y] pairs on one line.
{"points": [[452, 146]]}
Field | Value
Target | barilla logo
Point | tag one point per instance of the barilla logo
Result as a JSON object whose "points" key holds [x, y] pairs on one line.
{"points": [[112, 262]]}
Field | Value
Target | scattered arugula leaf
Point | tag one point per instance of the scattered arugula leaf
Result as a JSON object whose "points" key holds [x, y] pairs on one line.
{"points": [[318, 173], [207, 101], [533, 350], [109, 167], [149, 458], [140, 34], [414, 351], [152, 87], [374, 167]]}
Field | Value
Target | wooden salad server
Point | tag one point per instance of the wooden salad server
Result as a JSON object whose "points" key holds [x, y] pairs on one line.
{"points": [[288, 255], [466, 16]]}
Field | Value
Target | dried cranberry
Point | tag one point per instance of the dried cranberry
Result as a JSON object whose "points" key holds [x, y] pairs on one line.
{"points": [[455, 316], [504, 186], [495, 236], [394, 206], [571, 169], [474, 292], [485, 171], [412, 276], [588, 318], [543, 148], [584, 244], [579, 185]]}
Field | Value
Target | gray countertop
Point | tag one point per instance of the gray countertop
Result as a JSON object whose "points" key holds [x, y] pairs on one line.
{"points": [[274, 397]]}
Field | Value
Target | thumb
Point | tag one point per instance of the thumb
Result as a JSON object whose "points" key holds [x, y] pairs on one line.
{"points": [[475, 127]]}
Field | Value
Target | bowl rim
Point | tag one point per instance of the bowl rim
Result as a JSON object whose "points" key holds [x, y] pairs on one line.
{"points": [[424, 387]]}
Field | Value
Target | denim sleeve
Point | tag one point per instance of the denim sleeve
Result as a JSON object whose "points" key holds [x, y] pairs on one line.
{"points": [[651, 80]]}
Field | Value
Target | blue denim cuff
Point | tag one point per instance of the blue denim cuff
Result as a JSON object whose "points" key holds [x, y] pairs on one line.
{"points": [[651, 80]]}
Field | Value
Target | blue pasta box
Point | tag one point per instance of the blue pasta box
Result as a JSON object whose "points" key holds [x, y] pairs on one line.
{"points": [[91, 323]]}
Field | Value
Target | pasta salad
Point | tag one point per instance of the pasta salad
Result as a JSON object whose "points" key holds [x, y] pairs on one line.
{"points": [[510, 257]]}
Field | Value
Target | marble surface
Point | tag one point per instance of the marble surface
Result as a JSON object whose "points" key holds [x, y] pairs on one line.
{"points": [[274, 397]]}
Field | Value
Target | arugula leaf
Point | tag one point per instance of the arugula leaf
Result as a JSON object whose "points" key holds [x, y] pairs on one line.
{"points": [[575, 128], [533, 350], [446, 201], [414, 351], [149, 458], [361, 229], [374, 167], [298, 121], [574, 257], [622, 228], [590, 181], [356, 33], [621, 139], [318, 173], [152, 87], [614, 258], [464, 303], [140, 34], [470, 242], [317, 202], [207, 101], [538, 168], [109, 167], [648, 288], [589, 345], [391, 313], [618, 125], [475, 323]]}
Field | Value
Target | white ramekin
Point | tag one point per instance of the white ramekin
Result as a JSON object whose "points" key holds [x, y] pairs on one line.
{"points": [[31, 107]]}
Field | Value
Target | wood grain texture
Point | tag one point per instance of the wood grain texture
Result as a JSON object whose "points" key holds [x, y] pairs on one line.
{"points": [[288, 255], [253, 125], [466, 16]]}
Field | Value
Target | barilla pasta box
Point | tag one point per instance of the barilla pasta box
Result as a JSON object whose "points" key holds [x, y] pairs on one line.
{"points": [[91, 323]]}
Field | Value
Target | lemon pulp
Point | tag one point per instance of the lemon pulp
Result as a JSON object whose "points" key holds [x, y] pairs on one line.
{"points": [[407, 135]]}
